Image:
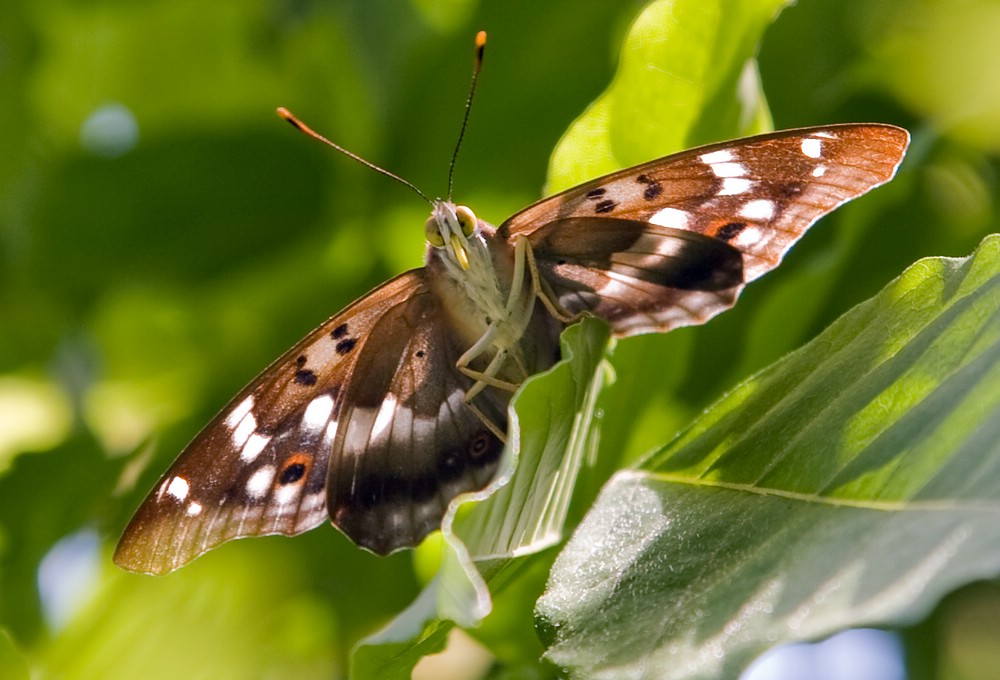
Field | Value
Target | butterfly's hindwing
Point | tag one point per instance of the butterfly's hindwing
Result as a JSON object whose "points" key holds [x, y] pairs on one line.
{"points": [[757, 195], [635, 274], [406, 442]]}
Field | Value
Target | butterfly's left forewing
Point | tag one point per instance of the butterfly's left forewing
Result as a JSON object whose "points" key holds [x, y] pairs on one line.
{"points": [[260, 467], [364, 422], [671, 242]]}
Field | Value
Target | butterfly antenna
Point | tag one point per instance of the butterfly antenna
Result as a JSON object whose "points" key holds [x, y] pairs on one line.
{"points": [[302, 127], [476, 68]]}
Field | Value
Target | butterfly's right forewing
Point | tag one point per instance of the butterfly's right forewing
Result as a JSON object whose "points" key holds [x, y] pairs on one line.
{"points": [[672, 241]]}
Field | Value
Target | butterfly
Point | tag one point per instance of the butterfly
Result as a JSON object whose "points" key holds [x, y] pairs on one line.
{"points": [[377, 419]]}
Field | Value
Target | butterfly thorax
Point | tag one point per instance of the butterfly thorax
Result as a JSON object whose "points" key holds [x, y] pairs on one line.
{"points": [[472, 271]]}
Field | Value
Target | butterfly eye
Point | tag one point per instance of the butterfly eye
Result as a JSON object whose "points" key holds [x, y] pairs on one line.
{"points": [[432, 234], [466, 219]]}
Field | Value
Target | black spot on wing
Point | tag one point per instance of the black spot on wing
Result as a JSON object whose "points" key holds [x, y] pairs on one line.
{"points": [[339, 332], [727, 232], [653, 188], [304, 376], [481, 445], [346, 345], [292, 473], [596, 193], [605, 206]]}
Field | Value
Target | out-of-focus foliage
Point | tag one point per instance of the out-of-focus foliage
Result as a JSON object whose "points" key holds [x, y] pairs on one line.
{"points": [[163, 236]]}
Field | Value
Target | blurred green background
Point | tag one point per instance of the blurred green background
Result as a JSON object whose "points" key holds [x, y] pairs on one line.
{"points": [[163, 236]]}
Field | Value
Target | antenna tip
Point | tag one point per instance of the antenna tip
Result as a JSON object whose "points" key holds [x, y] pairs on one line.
{"points": [[480, 40], [288, 115]]}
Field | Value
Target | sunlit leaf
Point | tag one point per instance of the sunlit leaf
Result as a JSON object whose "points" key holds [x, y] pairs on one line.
{"points": [[686, 76], [853, 483]]}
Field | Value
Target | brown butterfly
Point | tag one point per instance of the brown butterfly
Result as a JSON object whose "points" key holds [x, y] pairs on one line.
{"points": [[382, 415]]}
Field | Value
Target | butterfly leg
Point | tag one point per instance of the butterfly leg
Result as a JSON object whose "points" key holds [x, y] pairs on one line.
{"points": [[490, 425], [540, 288], [487, 377], [484, 379], [503, 334]]}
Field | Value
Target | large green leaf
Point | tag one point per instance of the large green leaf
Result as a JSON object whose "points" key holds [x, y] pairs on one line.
{"points": [[853, 483]]}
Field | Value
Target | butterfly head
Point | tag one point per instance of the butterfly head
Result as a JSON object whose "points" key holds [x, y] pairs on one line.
{"points": [[451, 230]]}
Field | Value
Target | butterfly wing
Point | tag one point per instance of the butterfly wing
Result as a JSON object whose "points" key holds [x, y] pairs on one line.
{"points": [[262, 465], [671, 242], [406, 442]]}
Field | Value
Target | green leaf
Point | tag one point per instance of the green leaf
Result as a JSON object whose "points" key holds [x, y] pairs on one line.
{"points": [[686, 76], [852, 483]]}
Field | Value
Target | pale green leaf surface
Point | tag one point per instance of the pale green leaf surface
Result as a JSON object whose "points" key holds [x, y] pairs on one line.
{"points": [[853, 483], [176, 627]]}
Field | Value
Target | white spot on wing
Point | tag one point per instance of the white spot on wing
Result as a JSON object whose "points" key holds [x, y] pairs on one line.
{"points": [[331, 433], [734, 186], [728, 169], [255, 444], [423, 429], [824, 134], [317, 413], [178, 488], [260, 481], [747, 238], [244, 430], [812, 147], [759, 209], [194, 509], [314, 501], [671, 217], [287, 494], [234, 418], [358, 431], [453, 404], [384, 417], [720, 156], [819, 171]]}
